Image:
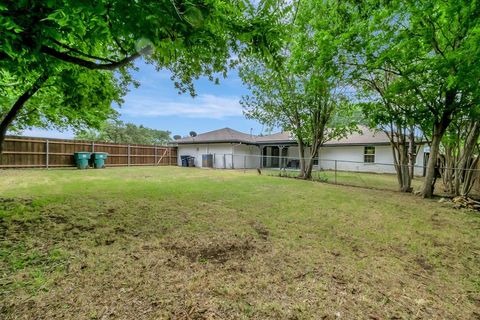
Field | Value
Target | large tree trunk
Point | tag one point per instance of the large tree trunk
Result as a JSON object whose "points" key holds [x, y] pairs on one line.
{"points": [[17, 107], [467, 164], [301, 156], [308, 169], [439, 129], [412, 154], [395, 161], [306, 172], [309, 165], [401, 163], [406, 184], [447, 168], [428, 184], [470, 177], [400, 157]]}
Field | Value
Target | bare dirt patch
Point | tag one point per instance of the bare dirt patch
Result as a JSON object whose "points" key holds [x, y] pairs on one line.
{"points": [[216, 249], [260, 229], [7, 203], [424, 264]]}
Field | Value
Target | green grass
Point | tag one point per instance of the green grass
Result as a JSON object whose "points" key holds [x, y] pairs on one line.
{"points": [[381, 181], [168, 242]]}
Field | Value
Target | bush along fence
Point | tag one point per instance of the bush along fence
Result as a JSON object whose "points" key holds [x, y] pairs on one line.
{"points": [[28, 152]]}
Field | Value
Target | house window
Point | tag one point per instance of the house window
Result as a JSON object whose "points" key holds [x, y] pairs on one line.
{"points": [[369, 155]]}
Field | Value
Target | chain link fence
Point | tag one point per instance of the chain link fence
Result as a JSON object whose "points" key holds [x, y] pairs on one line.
{"points": [[373, 175]]}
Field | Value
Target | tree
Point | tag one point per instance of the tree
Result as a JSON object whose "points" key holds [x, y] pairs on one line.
{"points": [[119, 132], [300, 88], [57, 56], [461, 153], [393, 114], [431, 49]]}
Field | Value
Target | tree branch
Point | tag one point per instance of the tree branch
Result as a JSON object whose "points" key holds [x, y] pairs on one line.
{"points": [[79, 52], [17, 106], [89, 64]]}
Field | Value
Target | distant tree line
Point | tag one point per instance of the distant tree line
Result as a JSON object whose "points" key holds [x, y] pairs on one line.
{"points": [[117, 131]]}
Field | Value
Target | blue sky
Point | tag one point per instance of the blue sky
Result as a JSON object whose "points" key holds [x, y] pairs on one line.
{"points": [[157, 104]]}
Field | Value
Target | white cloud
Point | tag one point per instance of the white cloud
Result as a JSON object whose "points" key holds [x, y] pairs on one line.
{"points": [[202, 106]]}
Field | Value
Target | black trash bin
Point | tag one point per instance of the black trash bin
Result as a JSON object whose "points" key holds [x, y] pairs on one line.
{"points": [[184, 160]]}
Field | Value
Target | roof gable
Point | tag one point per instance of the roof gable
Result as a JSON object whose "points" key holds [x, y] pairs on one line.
{"points": [[220, 135]]}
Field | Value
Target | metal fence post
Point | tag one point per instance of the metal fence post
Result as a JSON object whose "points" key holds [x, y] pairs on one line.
{"points": [[335, 171], [128, 155], [245, 162], [47, 150]]}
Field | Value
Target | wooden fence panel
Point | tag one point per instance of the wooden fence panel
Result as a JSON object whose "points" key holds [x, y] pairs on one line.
{"points": [[28, 152]]}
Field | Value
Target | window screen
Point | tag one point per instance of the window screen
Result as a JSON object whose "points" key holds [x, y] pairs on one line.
{"points": [[369, 155]]}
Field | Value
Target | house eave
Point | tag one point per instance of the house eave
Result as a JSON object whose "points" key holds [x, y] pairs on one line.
{"points": [[216, 141], [279, 142], [285, 142], [357, 144]]}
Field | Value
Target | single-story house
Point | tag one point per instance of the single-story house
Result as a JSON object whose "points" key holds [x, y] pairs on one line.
{"points": [[230, 149]]}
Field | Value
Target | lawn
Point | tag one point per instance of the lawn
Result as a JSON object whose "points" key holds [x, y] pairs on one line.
{"points": [[381, 181], [183, 243]]}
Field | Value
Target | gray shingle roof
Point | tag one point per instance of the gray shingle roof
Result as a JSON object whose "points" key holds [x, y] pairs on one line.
{"points": [[276, 137], [220, 135], [228, 135], [367, 136]]}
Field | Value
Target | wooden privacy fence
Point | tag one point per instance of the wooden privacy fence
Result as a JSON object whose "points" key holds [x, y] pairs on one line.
{"points": [[27, 152]]}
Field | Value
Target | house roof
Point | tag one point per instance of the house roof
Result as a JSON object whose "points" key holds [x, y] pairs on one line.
{"points": [[285, 137], [217, 136], [365, 136], [227, 135]]}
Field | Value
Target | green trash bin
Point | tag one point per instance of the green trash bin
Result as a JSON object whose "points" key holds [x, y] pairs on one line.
{"points": [[81, 159], [99, 159]]}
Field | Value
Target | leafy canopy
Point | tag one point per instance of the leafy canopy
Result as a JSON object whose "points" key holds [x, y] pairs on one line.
{"points": [[302, 89], [427, 50], [74, 46]]}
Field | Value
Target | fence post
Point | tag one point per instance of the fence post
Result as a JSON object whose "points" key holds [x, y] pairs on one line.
{"points": [[47, 147], [93, 146], [245, 162], [155, 153], [233, 166], [335, 171], [128, 156], [224, 162]]}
